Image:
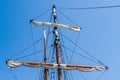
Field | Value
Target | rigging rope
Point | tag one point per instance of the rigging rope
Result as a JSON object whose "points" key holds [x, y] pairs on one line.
{"points": [[67, 17], [41, 14], [30, 54], [26, 48], [13, 74], [74, 47], [65, 76], [40, 74], [77, 36], [100, 7], [64, 73], [51, 55], [83, 75], [51, 59], [33, 42], [61, 52], [49, 28], [84, 50], [68, 74], [63, 59], [71, 75], [34, 49], [80, 54], [64, 48], [48, 36], [101, 75]]}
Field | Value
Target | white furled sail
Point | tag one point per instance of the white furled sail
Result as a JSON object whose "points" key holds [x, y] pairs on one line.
{"points": [[37, 23], [13, 64]]}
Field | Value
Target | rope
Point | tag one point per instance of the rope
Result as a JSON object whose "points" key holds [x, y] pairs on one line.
{"points": [[65, 76], [49, 27], [68, 75], [84, 50], [61, 52], [27, 48], [83, 75], [29, 54], [67, 17], [100, 7], [80, 54], [63, 59], [34, 49], [101, 75], [40, 74], [77, 36], [71, 75], [41, 14], [13, 74], [33, 42], [74, 47], [63, 45], [51, 52]]}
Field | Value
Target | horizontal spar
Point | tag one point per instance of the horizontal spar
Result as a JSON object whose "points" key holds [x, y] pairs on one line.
{"points": [[74, 28], [12, 64]]}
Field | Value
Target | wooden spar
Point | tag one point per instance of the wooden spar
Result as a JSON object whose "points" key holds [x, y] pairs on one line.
{"points": [[57, 46], [45, 56], [50, 24], [83, 68]]}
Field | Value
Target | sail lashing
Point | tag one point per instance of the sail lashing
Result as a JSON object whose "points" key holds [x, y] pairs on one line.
{"points": [[46, 24], [82, 68]]}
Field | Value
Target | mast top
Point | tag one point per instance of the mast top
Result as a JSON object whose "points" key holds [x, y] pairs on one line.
{"points": [[54, 6]]}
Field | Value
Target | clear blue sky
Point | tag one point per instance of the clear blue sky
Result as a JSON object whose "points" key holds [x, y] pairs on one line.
{"points": [[100, 33]]}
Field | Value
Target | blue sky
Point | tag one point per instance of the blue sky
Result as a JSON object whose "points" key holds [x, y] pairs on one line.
{"points": [[99, 35]]}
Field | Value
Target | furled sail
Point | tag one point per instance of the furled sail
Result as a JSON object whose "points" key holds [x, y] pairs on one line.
{"points": [[75, 28], [13, 64]]}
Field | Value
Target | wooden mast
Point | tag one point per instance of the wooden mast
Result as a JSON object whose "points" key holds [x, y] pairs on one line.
{"points": [[56, 42], [45, 56]]}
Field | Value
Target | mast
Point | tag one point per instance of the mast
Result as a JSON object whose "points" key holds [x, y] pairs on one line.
{"points": [[45, 56], [56, 42], [58, 65]]}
